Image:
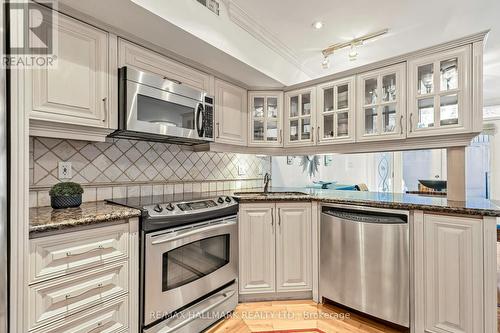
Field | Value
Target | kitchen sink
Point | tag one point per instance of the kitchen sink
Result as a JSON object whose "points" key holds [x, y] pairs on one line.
{"points": [[269, 194]]}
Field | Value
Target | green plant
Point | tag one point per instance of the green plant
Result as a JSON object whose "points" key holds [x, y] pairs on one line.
{"points": [[65, 189]]}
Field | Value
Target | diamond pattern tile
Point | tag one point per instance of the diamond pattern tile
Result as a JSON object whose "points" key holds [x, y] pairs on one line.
{"points": [[126, 161]]}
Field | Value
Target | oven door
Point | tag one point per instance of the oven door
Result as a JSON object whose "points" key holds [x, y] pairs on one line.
{"points": [[155, 111], [184, 264]]}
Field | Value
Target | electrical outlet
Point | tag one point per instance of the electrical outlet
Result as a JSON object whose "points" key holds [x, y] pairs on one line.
{"points": [[241, 170], [65, 171]]}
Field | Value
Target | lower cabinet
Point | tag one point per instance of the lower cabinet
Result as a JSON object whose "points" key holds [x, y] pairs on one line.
{"points": [[92, 295], [450, 283], [275, 247]]}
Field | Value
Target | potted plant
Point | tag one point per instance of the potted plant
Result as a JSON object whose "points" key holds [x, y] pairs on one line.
{"points": [[65, 195]]}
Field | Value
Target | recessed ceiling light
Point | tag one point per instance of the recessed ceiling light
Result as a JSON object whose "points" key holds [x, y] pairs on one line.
{"points": [[317, 25]]}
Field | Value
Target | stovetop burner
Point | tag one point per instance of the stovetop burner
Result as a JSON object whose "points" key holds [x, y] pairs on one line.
{"points": [[165, 211]]}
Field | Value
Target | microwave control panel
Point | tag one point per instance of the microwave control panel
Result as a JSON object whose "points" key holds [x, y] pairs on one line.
{"points": [[208, 118]]}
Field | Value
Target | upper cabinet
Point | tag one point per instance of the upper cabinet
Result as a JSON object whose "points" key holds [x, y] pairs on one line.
{"points": [[300, 117], [381, 111], [439, 101], [130, 54], [335, 113], [266, 118], [231, 116], [72, 99]]}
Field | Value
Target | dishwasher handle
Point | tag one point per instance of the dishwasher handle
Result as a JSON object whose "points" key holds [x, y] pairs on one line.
{"points": [[366, 217]]}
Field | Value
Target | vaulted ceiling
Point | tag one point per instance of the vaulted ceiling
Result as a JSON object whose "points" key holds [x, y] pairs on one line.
{"points": [[265, 43]]}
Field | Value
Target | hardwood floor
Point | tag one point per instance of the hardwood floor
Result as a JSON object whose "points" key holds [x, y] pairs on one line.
{"points": [[296, 316]]}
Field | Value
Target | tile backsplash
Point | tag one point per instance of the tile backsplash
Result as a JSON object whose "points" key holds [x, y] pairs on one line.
{"points": [[120, 167]]}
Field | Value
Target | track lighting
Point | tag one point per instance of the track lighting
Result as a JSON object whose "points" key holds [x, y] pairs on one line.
{"points": [[353, 44]]}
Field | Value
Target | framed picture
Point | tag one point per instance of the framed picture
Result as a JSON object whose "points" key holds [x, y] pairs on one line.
{"points": [[289, 160], [328, 160]]}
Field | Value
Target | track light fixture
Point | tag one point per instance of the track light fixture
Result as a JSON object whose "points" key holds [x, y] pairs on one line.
{"points": [[353, 44]]}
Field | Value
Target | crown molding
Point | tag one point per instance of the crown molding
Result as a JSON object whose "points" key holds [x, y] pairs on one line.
{"points": [[246, 22]]}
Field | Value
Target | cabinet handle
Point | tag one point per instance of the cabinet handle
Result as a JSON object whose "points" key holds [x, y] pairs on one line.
{"points": [[71, 254], [218, 130], [279, 217], [281, 136], [84, 290], [105, 101], [312, 134], [401, 123], [411, 122], [272, 217], [317, 134]]}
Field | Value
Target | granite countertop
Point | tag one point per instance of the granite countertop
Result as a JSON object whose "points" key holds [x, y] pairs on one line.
{"points": [[473, 206], [45, 220]]}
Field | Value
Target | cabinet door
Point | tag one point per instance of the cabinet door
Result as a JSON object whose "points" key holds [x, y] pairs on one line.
{"points": [[336, 111], [130, 54], [231, 114], [257, 248], [74, 90], [300, 118], [453, 274], [439, 101], [266, 119], [381, 112], [293, 247]]}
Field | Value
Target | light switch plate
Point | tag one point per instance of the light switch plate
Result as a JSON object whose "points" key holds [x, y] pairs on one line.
{"points": [[65, 171]]}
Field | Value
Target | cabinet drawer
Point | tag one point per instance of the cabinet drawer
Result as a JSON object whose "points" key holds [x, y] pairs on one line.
{"points": [[61, 254], [109, 317], [59, 298]]}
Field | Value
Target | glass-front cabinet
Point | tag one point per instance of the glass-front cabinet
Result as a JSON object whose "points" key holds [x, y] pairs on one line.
{"points": [[438, 101], [300, 117], [266, 118], [335, 123], [381, 113]]}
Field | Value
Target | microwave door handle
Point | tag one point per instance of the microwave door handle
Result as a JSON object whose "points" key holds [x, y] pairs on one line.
{"points": [[184, 234], [199, 113]]}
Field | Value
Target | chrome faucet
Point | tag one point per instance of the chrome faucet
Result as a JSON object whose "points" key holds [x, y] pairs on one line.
{"points": [[267, 179]]}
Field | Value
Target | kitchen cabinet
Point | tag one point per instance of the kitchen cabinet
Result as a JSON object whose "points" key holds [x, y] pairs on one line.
{"points": [[449, 274], [293, 247], [266, 118], [130, 54], [84, 280], [335, 113], [381, 100], [300, 117], [231, 116], [71, 98], [439, 93], [256, 248], [275, 247]]}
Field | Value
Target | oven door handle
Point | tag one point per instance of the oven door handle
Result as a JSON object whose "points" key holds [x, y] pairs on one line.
{"points": [[190, 232], [211, 304]]}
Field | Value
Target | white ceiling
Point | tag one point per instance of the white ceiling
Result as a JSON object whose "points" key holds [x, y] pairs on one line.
{"points": [[271, 43], [412, 25]]}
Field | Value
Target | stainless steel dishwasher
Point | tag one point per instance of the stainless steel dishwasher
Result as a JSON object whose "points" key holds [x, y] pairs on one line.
{"points": [[364, 262]]}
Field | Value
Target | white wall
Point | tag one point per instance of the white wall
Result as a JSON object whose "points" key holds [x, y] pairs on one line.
{"points": [[495, 160]]}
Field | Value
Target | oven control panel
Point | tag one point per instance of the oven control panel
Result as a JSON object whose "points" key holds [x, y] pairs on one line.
{"points": [[189, 207]]}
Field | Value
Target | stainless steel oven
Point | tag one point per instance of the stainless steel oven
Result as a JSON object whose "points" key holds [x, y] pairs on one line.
{"points": [[189, 260], [185, 263], [155, 108]]}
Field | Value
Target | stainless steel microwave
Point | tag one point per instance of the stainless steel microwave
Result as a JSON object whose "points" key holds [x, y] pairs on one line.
{"points": [[154, 108]]}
